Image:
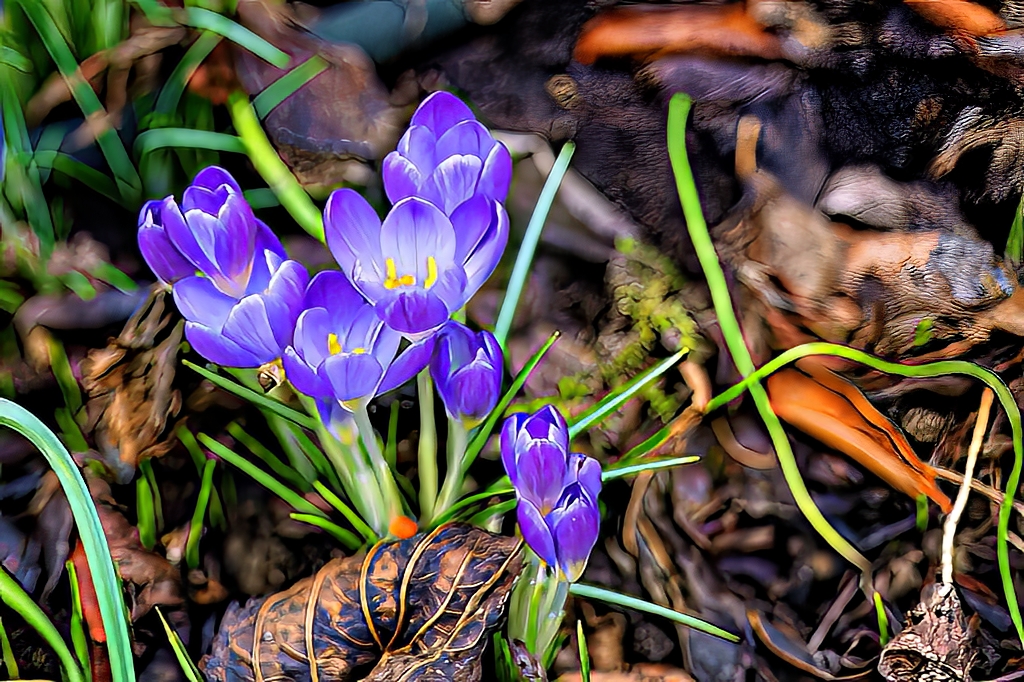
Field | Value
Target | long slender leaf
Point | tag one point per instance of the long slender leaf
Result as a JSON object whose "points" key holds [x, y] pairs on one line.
{"points": [[101, 565], [484, 430], [269, 458], [285, 86], [15, 597], [78, 640], [180, 652], [272, 169], [186, 137], [617, 398], [348, 539], [263, 478], [679, 108], [581, 644], [128, 181], [254, 397], [195, 529], [521, 269], [198, 17], [7, 654], [22, 173], [626, 601], [346, 511], [186, 67], [73, 168]]}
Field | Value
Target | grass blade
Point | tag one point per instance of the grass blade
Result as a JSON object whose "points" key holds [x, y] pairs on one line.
{"points": [[186, 137], [128, 181], [346, 511], [198, 17], [613, 473], [263, 478], [170, 94], [14, 596], [621, 395], [626, 601], [73, 168], [195, 529], [7, 654], [269, 458], [101, 565], [285, 86], [485, 429], [78, 640], [679, 109], [145, 513], [581, 644], [272, 169], [255, 398], [524, 259], [347, 538], [180, 652]]}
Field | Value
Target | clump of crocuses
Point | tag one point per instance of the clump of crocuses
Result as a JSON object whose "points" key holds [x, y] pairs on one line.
{"points": [[556, 489]]}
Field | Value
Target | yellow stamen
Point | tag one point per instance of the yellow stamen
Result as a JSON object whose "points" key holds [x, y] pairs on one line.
{"points": [[392, 280], [358, 351], [332, 344], [431, 273]]}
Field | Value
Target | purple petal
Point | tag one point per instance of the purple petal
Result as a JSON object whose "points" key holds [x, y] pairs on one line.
{"points": [[218, 349], [588, 473], [480, 262], [477, 387], [284, 299], [413, 232], [304, 377], [159, 253], [535, 532], [311, 333], [509, 435], [496, 176], [453, 181], [351, 376], [334, 416], [413, 313], [467, 137], [401, 177], [353, 232], [200, 301], [575, 527], [332, 290], [548, 423], [542, 468], [441, 111], [408, 364], [248, 325], [213, 177]]}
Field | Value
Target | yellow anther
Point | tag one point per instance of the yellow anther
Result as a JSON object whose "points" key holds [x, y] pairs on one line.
{"points": [[358, 351], [392, 280], [431, 273], [333, 346]]}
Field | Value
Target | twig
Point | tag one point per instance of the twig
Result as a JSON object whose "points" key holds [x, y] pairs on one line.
{"points": [[949, 528]]}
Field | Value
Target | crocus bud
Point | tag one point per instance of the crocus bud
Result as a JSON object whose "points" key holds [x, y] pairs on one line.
{"points": [[467, 368]]}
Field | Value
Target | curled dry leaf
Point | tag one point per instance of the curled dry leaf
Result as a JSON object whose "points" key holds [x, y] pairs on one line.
{"points": [[935, 645], [129, 384], [416, 609], [834, 411], [792, 650]]}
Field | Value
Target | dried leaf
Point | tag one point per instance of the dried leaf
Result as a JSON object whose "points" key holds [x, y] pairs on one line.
{"points": [[935, 646], [129, 384], [833, 411], [790, 649], [419, 609]]}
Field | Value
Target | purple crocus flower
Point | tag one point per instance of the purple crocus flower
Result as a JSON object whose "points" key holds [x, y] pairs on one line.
{"points": [[467, 369], [231, 278], [341, 351], [556, 490], [419, 266], [447, 157]]}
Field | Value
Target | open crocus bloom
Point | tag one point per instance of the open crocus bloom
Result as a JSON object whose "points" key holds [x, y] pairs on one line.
{"points": [[447, 157], [419, 266], [232, 281], [556, 490]]}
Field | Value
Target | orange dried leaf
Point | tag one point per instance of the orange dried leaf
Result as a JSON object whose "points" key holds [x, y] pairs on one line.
{"points": [[855, 428]]}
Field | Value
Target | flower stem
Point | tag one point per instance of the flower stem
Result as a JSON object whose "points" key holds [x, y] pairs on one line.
{"points": [[427, 453], [458, 439], [386, 483], [358, 481]]}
